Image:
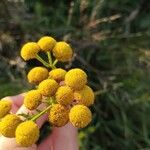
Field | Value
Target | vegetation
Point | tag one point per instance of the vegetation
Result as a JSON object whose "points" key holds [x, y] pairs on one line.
{"points": [[111, 42]]}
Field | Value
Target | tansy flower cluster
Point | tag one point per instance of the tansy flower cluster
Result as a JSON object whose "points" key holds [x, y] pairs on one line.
{"points": [[65, 93]]}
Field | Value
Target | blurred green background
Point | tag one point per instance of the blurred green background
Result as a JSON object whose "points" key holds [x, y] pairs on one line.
{"points": [[111, 40]]}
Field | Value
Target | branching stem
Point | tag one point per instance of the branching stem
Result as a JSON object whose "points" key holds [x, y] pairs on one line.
{"points": [[42, 61], [41, 113]]}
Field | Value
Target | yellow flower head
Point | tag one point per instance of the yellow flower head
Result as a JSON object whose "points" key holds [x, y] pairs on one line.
{"points": [[9, 124], [59, 115], [85, 96], [80, 116], [32, 99], [48, 87], [64, 95], [27, 133], [62, 51], [47, 43], [57, 74], [29, 50], [5, 107], [37, 74], [76, 79]]}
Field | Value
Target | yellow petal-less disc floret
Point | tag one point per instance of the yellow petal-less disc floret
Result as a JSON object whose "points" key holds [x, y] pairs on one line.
{"points": [[48, 87], [80, 116], [59, 115], [57, 74], [47, 43], [5, 107], [29, 50], [27, 133], [64, 95], [9, 124], [62, 51], [85, 96], [32, 99], [76, 79], [37, 74]]}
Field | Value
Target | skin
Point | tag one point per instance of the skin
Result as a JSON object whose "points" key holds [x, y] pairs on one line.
{"points": [[63, 138]]}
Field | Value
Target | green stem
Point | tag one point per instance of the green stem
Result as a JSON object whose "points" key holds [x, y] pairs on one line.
{"points": [[42, 61], [55, 62], [53, 67], [41, 113], [49, 58]]}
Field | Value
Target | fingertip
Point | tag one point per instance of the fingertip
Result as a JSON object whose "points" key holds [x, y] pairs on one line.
{"points": [[14, 107], [17, 99]]}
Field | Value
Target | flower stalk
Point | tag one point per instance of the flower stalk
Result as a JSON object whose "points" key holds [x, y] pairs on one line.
{"points": [[42, 61], [41, 113], [48, 65], [49, 58], [55, 62]]}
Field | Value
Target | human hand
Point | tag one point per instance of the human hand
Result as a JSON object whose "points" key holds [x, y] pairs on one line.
{"points": [[63, 138]]}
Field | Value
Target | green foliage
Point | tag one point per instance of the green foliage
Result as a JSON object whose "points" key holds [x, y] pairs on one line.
{"points": [[9, 88], [111, 42]]}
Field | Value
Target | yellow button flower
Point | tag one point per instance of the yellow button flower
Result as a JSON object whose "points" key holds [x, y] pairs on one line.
{"points": [[76, 79], [62, 51], [64, 95], [59, 115], [48, 87], [37, 74], [85, 96], [9, 124], [47, 43], [5, 107], [80, 116], [57, 74], [27, 133], [29, 50], [32, 99]]}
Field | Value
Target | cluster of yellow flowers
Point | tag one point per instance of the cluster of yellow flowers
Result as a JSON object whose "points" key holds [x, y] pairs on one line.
{"points": [[65, 93]]}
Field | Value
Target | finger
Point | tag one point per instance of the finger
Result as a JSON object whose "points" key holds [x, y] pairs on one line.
{"points": [[17, 101], [40, 121], [64, 138]]}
